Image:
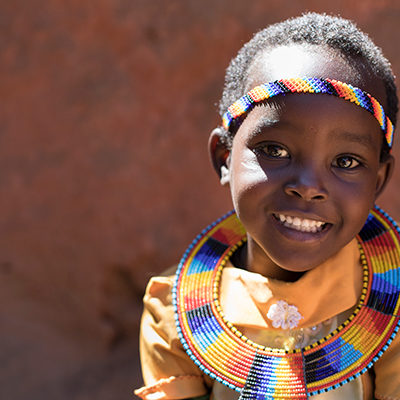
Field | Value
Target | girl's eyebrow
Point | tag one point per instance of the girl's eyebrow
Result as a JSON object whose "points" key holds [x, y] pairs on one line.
{"points": [[261, 124], [362, 139]]}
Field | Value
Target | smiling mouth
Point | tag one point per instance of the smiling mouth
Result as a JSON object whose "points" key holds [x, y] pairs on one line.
{"points": [[301, 224]]}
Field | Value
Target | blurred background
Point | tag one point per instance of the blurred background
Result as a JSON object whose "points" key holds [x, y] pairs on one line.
{"points": [[105, 112]]}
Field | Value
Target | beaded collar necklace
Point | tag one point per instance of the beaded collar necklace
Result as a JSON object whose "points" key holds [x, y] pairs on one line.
{"points": [[239, 109], [221, 351]]}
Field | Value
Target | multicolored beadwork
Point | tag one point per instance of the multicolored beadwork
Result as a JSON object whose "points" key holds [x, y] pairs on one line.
{"points": [[221, 351], [310, 85]]}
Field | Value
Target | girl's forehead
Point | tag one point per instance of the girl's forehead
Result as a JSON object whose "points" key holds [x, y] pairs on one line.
{"points": [[299, 61]]}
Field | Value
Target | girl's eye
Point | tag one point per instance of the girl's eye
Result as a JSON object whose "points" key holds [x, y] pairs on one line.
{"points": [[346, 162], [274, 151]]}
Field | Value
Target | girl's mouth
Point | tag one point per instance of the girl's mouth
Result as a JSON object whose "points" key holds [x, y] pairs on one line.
{"points": [[301, 224]]}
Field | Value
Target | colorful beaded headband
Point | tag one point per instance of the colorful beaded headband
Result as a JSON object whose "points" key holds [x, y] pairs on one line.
{"points": [[310, 85]]}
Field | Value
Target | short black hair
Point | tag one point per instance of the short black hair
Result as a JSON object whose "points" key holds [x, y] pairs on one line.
{"points": [[317, 29]]}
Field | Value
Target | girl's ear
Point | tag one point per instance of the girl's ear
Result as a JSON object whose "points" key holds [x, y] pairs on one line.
{"points": [[384, 174], [219, 155]]}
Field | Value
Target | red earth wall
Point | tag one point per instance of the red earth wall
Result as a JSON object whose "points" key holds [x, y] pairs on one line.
{"points": [[104, 174]]}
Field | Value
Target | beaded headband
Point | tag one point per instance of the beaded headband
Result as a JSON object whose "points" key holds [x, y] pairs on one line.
{"points": [[309, 85]]}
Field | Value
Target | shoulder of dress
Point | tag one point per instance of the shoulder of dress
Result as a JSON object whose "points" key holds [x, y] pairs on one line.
{"points": [[160, 286]]}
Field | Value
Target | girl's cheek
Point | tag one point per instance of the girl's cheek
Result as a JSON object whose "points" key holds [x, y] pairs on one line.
{"points": [[249, 174], [246, 178], [249, 169]]}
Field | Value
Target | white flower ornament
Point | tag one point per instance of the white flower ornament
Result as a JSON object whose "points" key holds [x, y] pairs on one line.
{"points": [[283, 315]]}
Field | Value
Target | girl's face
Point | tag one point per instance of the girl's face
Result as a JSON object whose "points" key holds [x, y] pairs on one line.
{"points": [[304, 169]]}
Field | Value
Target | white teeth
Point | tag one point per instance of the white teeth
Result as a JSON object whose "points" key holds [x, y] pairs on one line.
{"points": [[296, 221], [304, 225]]}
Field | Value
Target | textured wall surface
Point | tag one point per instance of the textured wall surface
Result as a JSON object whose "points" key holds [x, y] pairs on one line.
{"points": [[104, 174]]}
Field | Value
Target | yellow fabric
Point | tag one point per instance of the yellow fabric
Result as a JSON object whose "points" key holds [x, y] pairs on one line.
{"points": [[327, 292], [387, 370], [319, 294], [173, 388]]}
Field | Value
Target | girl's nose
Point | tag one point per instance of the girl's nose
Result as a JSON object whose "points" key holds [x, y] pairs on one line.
{"points": [[307, 185]]}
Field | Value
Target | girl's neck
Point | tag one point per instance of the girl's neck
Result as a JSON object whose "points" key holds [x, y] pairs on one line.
{"points": [[252, 258]]}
